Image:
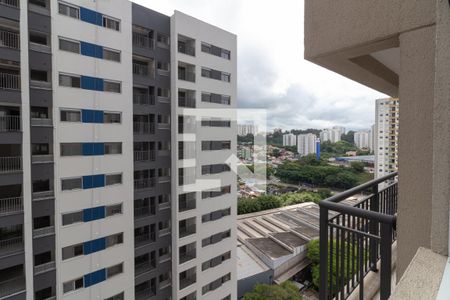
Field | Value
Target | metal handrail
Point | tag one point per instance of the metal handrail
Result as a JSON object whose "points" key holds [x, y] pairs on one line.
{"points": [[187, 230], [10, 164], [9, 39], [143, 127], [9, 81], [188, 255], [11, 205], [13, 243], [142, 41], [12, 286], [143, 99], [144, 211], [186, 49], [144, 267], [140, 69], [353, 239], [44, 231], [144, 155], [9, 123], [44, 267], [187, 76], [186, 102], [144, 183]]}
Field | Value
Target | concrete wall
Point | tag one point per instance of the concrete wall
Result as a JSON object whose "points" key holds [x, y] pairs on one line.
{"points": [[246, 285]]}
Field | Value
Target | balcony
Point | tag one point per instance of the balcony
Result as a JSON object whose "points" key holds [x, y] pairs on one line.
{"points": [[9, 81], [144, 211], [9, 39], [143, 99], [44, 267], [11, 205], [143, 127], [365, 232], [186, 75], [187, 230], [42, 159], [12, 286], [163, 126], [186, 48], [40, 232], [41, 122], [144, 238], [188, 255], [42, 195], [144, 155], [145, 294], [10, 164], [188, 102], [144, 267], [144, 183], [12, 3], [142, 40], [11, 245]]}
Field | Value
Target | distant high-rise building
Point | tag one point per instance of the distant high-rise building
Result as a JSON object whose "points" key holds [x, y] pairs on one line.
{"points": [[361, 139], [289, 139], [306, 144], [386, 136], [332, 134], [372, 138], [244, 129]]}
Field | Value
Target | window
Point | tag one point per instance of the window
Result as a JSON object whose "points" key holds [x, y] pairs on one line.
{"points": [[73, 285], [71, 149], [41, 3], [216, 145], [110, 117], [114, 239], [71, 184], [40, 149], [43, 258], [216, 215], [162, 199], [68, 45], [110, 54], [163, 92], [226, 77], [206, 73], [70, 116], [111, 86], [113, 210], [163, 66], [206, 48], [114, 270], [72, 251], [216, 98], [113, 179], [70, 11], [119, 296], [162, 40], [111, 23], [217, 51], [38, 75], [69, 80], [113, 148], [39, 38], [215, 169], [71, 218], [216, 238], [216, 193], [216, 261], [226, 54], [215, 284], [216, 123]]}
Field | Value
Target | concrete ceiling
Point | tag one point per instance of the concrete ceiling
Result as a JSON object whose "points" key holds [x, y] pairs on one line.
{"points": [[390, 58]]}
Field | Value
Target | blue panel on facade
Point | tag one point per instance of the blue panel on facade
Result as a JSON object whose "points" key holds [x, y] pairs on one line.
{"points": [[94, 277], [98, 116], [91, 16], [87, 248], [99, 84], [98, 244], [88, 83], [92, 50], [98, 212], [88, 149], [99, 148], [98, 180], [87, 116], [87, 215], [88, 182]]}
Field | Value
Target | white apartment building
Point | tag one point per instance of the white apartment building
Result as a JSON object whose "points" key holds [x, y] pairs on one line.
{"points": [[289, 139], [204, 210], [332, 134], [372, 138], [386, 136], [362, 139], [244, 129], [306, 144]]}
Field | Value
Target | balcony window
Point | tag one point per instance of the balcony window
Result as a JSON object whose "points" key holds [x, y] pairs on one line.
{"points": [[71, 218], [113, 179], [112, 210], [186, 72], [216, 215], [216, 261], [39, 38], [110, 117], [111, 23], [114, 239], [43, 294], [69, 45], [186, 45], [111, 86], [38, 75], [73, 285], [113, 148], [70, 116], [143, 37], [187, 227], [42, 258], [114, 270], [187, 252], [69, 10], [37, 112], [69, 80], [110, 54], [120, 296], [41, 3], [68, 184], [162, 40]]}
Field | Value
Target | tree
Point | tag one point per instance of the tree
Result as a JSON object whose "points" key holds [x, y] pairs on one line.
{"points": [[285, 291], [324, 193], [357, 166], [276, 152], [349, 137]]}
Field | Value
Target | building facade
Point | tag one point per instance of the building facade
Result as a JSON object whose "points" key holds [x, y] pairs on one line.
{"points": [[362, 139], [244, 129], [306, 144], [332, 135], [386, 136], [372, 138], [91, 95], [289, 139]]}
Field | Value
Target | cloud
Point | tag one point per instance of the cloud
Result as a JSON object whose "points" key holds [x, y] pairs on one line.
{"points": [[272, 73]]}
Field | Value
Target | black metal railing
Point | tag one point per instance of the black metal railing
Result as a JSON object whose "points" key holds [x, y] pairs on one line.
{"points": [[354, 238]]}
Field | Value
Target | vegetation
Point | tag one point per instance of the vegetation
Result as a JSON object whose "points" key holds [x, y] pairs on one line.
{"points": [[357, 166], [329, 149], [314, 255], [285, 291], [349, 137], [250, 205]]}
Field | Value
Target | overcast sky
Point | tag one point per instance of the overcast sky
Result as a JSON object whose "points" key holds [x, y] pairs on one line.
{"points": [[272, 73]]}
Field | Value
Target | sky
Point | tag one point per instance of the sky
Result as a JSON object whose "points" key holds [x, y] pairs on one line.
{"points": [[272, 73]]}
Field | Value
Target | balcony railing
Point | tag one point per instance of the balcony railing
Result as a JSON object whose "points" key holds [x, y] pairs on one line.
{"points": [[144, 183], [186, 49], [43, 231], [44, 267], [143, 127], [144, 211], [140, 69], [186, 102], [36, 196], [164, 99], [41, 122], [165, 231], [144, 155], [144, 238], [185, 282], [163, 125], [11, 245], [187, 76], [143, 99], [10, 164], [143, 41], [353, 239], [9, 81], [9, 39], [187, 256], [186, 205], [144, 267], [145, 294], [11, 205], [12, 286], [9, 123], [42, 159]]}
